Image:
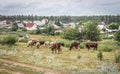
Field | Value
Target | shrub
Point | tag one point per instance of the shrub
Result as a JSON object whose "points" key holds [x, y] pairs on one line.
{"points": [[71, 34], [67, 43], [117, 57], [45, 39], [32, 32], [82, 46], [117, 36], [79, 57], [100, 55], [106, 49], [24, 29], [113, 25], [9, 40]]}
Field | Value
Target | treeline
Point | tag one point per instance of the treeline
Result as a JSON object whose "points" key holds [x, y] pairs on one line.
{"points": [[65, 19]]}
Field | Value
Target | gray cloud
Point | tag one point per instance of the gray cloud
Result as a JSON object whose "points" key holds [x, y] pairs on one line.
{"points": [[59, 7]]}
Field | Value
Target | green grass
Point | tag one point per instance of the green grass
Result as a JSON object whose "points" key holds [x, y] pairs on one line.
{"points": [[71, 61], [4, 72], [20, 69]]}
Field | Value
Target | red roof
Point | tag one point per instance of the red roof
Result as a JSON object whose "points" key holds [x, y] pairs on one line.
{"points": [[29, 25], [8, 22]]}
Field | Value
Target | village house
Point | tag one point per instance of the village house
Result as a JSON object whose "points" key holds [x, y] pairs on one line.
{"points": [[44, 21], [20, 25], [57, 28], [31, 26], [38, 23], [5, 24]]}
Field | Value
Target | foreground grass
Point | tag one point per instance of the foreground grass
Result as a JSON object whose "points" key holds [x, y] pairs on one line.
{"points": [[19, 69], [72, 61]]}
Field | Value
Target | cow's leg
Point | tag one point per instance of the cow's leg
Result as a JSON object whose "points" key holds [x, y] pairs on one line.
{"points": [[55, 50], [59, 51], [70, 48], [88, 48], [52, 50]]}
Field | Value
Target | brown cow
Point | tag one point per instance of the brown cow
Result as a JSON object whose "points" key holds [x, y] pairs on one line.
{"points": [[47, 43], [74, 44], [39, 43], [92, 45], [56, 46], [31, 43]]}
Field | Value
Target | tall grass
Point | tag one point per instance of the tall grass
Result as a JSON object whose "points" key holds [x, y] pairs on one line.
{"points": [[9, 40], [67, 43], [107, 45]]}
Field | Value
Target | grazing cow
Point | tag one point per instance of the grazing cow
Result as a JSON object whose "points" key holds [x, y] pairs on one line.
{"points": [[92, 45], [56, 46], [47, 44], [74, 44], [20, 39], [37, 45], [41, 42], [31, 43]]}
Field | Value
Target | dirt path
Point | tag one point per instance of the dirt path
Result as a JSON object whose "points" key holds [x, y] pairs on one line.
{"points": [[44, 70], [9, 71]]}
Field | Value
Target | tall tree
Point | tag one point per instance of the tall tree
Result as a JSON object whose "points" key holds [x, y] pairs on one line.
{"points": [[91, 31], [14, 27]]}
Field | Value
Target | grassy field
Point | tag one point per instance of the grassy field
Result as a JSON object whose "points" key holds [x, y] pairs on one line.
{"points": [[69, 61], [16, 69]]}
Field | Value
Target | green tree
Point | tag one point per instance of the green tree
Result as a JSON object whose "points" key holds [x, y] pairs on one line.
{"points": [[91, 31], [113, 25], [38, 31], [49, 30], [117, 36], [58, 23], [71, 34], [14, 27]]}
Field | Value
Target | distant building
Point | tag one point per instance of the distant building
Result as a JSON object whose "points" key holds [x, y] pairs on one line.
{"points": [[31, 26], [20, 25], [38, 23], [45, 21], [5, 24]]}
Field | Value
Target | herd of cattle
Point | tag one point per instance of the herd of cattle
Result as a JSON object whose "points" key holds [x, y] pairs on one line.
{"points": [[56, 46]]}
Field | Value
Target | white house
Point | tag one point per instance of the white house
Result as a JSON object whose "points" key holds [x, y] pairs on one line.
{"points": [[44, 21], [38, 23], [5, 24], [20, 25]]}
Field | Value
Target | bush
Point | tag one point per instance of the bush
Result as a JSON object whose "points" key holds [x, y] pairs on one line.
{"points": [[106, 49], [100, 55], [117, 57], [45, 39], [9, 40], [32, 32], [113, 25], [24, 29], [79, 57], [82, 46], [67, 43], [71, 34], [117, 36]]}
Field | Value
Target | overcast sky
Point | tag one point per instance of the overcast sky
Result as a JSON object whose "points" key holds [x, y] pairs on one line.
{"points": [[59, 7]]}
